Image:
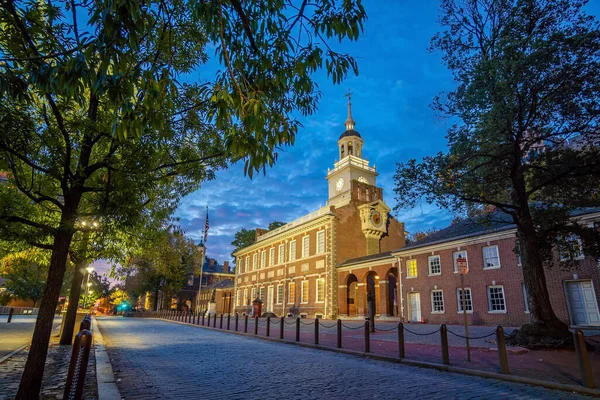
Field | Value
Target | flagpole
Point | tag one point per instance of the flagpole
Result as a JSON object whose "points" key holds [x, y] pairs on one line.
{"points": [[203, 259]]}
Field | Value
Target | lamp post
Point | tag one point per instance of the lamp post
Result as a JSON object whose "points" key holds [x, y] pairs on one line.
{"points": [[88, 284]]}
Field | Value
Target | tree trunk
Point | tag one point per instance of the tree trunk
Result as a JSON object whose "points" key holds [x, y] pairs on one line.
{"points": [[156, 308], [71, 316], [31, 380]]}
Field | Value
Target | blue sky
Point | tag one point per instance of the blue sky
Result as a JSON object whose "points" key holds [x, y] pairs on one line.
{"points": [[397, 81]]}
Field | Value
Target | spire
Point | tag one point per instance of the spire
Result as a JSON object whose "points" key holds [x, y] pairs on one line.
{"points": [[349, 121]]}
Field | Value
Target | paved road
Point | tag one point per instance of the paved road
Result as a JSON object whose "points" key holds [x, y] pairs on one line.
{"points": [[158, 359], [17, 333]]}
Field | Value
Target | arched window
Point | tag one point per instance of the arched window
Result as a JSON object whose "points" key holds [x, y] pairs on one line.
{"points": [[350, 149], [342, 152]]}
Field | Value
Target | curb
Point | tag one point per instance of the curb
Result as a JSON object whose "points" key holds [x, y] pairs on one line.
{"points": [[414, 363], [12, 353], [105, 379]]}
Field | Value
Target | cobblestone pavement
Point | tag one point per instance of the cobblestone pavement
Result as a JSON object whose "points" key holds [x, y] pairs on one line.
{"points": [[158, 359], [55, 372]]}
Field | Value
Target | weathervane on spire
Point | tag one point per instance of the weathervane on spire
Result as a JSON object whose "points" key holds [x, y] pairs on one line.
{"points": [[349, 121]]}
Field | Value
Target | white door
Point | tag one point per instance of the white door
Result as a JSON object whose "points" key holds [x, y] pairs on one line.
{"points": [[582, 303], [414, 301], [270, 299]]}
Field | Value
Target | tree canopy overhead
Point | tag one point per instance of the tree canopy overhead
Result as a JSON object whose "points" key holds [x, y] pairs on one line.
{"points": [[526, 138], [97, 120]]}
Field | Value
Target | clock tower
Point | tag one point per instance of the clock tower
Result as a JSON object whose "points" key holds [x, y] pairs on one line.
{"points": [[351, 165]]}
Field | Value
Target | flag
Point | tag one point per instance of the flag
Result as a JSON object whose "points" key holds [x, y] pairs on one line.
{"points": [[206, 226]]}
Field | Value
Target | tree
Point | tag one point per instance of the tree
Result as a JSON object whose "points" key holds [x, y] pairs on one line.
{"points": [[527, 111], [420, 235], [24, 274], [96, 118], [99, 288], [245, 237]]}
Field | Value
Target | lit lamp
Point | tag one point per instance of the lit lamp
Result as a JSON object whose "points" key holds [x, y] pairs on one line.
{"points": [[89, 271]]}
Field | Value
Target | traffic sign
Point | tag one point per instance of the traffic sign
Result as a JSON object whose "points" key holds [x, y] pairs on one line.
{"points": [[463, 267]]}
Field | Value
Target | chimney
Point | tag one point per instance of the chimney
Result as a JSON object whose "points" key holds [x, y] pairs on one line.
{"points": [[211, 264], [226, 266], [259, 232]]}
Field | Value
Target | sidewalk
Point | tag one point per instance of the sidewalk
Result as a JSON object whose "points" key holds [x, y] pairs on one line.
{"points": [[559, 366]]}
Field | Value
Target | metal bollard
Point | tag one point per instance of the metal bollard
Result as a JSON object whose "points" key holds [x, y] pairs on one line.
{"points": [[297, 329], [316, 330], [215, 321], [444, 339], [339, 333], [268, 326], [221, 322], [78, 365], [236, 321], [256, 325], [246, 324], [10, 314], [281, 327], [228, 321], [367, 337], [203, 319], [400, 328], [502, 359], [587, 378], [208, 320]]}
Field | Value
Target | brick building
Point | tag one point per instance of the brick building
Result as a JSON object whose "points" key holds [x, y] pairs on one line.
{"points": [[293, 269], [429, 287], [223, 292]]}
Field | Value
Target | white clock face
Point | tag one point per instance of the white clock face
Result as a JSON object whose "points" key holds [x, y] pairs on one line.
{"points": [[339, 184]]}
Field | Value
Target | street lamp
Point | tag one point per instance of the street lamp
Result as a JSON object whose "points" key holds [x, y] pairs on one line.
{"points": [[89, 271]]}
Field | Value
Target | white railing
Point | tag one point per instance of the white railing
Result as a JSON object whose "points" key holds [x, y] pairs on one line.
{"points": [[352, 160], [315, 214]]}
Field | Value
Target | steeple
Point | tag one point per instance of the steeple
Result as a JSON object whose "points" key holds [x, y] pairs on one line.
{"points": [[349, 121]]}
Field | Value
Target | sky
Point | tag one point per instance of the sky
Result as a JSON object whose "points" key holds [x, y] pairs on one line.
{"points": [[398, 79]]}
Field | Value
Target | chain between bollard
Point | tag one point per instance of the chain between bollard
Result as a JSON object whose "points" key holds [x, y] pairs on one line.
{"points": [[353, 327], [421, 334], [470, 337]]}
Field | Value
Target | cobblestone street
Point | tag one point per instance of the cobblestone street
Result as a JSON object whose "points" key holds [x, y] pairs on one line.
{"points": [[158, 359]]}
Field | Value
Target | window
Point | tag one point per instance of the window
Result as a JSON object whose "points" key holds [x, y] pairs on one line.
{"points": [[459, 254], [271, 256], [320, 290], [254, 261], [491, 259], [526, 298], [411, 268], [292, 292], [281, 253], [292, 250], [437, 301], [435, 267], [496, 301], [304, 298], [305, 246], [241, 265], [246, 299], [468, 300], [321, 242], [262, 294], [279, 294], [570, 248], [247, 264], [263, 259], [253, 294], [238, 301]]}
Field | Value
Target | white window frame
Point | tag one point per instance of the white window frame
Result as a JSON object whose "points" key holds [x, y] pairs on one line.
{"points": [[321, 242], [433, 310], [247, 264], [305, 284], [281, 254], [292, 255], [454, 254], [469, 297], [238, 300], [518, 253], [485, 266], [291, 292], [240, 268], [263, 259], [489, 296], [254, 262], [439, 264], [262, 293], [253, 295], [320, 281], [408, 275], [279, 299], [306, 246], [246, 300], [525, 297], [271, 256]]}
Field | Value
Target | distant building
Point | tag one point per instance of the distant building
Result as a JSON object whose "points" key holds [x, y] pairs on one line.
{"points": [[223, 296]]}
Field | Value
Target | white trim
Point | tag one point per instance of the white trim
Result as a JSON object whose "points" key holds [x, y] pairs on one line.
{"points": [[497, 255], [432, 302], [429, 265], [487, 290], [317, 290], [307, 292]]}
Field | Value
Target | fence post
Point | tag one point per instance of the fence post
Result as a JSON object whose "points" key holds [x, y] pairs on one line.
{"points": [[268, 326], [221, 322], [367, 337], [256, 325], [587, 378], [400, 328], [297, 329], [236, 321], [208, 320], [444, 338], [10, 314], [316, 330], [203, 319], [502, 359], [246, 324], [76, 374], [228, 321], [339, 333], [281, 327], [215, 321]]}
